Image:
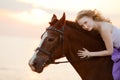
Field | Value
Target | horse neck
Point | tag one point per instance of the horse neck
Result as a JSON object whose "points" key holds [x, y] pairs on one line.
{"points": [[79, 38], [59, 51], [75, 40]]}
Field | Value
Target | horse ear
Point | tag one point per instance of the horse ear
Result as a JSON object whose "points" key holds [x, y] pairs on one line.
{"points": [[62, 20], [53, 19]]}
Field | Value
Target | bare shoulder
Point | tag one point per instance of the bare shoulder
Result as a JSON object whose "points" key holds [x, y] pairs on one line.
{"points": [[106, 32], [106, 27]]}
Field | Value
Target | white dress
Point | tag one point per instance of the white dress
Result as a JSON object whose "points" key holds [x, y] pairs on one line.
{"points": [[116, 37], [116, 53]]}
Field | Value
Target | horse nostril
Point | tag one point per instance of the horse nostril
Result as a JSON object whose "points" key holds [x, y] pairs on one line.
{"points": [[32, 65]]}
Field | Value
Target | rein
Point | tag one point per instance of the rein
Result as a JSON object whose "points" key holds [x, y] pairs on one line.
{"points": [[49, 54], [60, 62]]}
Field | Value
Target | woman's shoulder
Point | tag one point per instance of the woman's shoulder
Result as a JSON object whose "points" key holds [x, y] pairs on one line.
{"points": [[105, 26]]}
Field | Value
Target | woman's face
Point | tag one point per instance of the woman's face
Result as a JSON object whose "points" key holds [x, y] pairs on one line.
{"points": [[86, 23]]}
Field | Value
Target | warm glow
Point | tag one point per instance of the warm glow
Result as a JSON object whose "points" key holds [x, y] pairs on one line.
{"points": [[76, 5], [37, 12], [34, 16], [32, 76], [22, 22]]}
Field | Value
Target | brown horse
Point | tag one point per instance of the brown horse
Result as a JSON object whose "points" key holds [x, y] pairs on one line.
{"points": [[66, 38]]}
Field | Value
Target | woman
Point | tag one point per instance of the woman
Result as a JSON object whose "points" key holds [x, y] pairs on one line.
{"points": [[92, 20]]}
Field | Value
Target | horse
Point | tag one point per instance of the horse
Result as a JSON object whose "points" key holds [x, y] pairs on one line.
{"points": [[65, 38]]}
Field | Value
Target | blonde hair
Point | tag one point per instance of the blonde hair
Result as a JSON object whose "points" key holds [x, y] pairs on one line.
{"points": [[94, 14]]}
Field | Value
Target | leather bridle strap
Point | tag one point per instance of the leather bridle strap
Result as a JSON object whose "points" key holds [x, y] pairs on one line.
{"points": [[54, 29], [45, 51]]}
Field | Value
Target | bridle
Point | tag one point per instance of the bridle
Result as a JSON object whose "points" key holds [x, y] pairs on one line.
{"points": [[47, 52]]}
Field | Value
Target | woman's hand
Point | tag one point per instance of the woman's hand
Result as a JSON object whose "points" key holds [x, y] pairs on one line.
{"points": [[83, 53]]}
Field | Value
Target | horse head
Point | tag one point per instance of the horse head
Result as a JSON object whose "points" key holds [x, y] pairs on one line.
{"points": [[50, 46]]}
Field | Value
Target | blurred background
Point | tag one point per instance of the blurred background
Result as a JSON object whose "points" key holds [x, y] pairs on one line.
{"points": [[23, 21]]}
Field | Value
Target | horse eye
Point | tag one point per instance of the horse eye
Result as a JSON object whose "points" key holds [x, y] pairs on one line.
{"points": [[50, 39]]}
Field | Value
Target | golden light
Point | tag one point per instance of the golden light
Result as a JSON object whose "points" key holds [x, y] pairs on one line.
{"points": [[76, 5], [33, 16], [37, 12]]}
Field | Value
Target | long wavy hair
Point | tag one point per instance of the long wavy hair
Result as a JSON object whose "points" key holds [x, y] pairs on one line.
{"points": [[94, 14]]}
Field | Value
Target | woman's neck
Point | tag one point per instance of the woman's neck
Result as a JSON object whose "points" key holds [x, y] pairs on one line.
{"points": [[97, 25]]}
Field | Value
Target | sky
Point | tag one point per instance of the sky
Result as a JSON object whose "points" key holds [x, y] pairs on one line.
{"points": [[29, 18], [23, 21]]}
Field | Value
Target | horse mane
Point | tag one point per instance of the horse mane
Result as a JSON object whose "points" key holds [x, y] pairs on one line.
{"points": [[92, 34]]}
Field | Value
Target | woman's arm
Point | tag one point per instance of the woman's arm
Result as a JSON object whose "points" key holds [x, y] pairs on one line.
{"points": [[107, 38]]}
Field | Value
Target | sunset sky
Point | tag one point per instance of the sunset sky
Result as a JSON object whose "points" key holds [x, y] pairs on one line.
{"points": [[28, 17], [23, 21]]}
